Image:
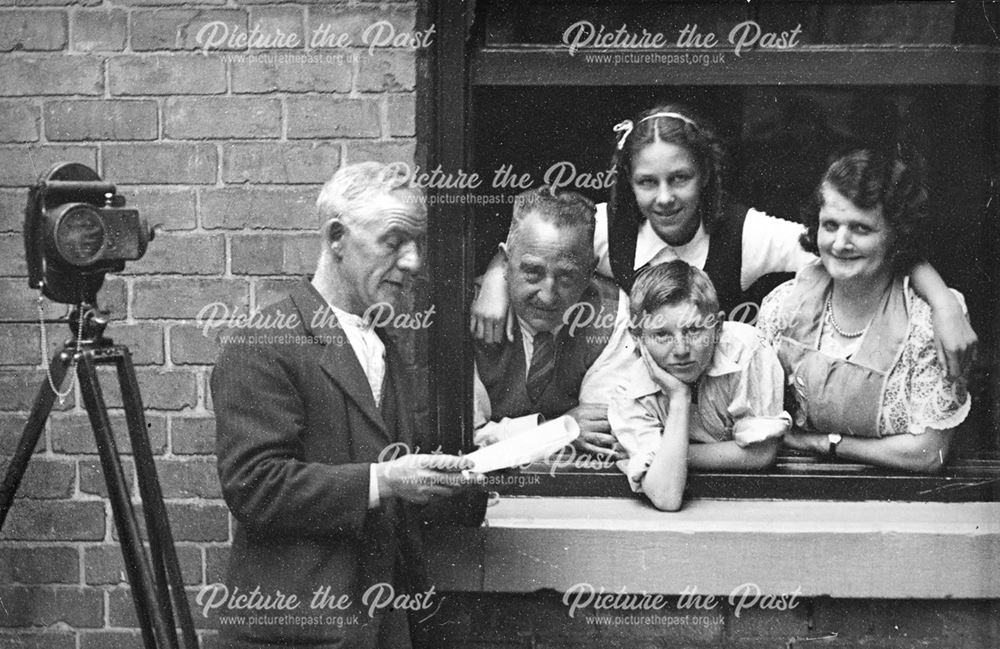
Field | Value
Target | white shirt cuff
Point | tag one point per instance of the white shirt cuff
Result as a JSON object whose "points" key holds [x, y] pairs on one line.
{"points": [[373, 499]]}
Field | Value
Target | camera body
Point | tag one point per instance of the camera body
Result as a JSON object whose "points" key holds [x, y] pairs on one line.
{"points": [[77, 229]]}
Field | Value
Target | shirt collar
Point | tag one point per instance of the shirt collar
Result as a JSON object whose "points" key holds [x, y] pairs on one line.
{"points": [[649, 244], [352, 320], [528, 331]]}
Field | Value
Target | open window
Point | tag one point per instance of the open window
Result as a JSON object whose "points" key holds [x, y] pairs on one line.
{"points": [[509, 93]]}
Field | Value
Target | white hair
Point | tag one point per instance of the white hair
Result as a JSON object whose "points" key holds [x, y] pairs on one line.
{"points": [[344, 196]]}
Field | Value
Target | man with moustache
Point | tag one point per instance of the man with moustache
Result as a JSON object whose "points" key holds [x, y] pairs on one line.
{"points": [[571, 345], [302, 416]]}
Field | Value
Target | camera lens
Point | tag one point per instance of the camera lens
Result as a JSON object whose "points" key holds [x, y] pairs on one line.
{"points": [[79, 234]]}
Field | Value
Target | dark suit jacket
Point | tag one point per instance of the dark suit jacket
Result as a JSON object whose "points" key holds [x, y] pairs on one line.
{"points": [[297, 429]]}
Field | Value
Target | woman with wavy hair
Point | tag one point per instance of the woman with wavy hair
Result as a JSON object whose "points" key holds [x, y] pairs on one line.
{"points": [[855, 340]]}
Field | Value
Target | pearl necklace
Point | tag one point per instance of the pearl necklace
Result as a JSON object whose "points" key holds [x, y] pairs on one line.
{"points": [[833, 321]]}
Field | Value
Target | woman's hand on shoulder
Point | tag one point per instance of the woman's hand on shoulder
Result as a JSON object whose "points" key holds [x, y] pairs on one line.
{"points": [[492, 318], [955, 340]]}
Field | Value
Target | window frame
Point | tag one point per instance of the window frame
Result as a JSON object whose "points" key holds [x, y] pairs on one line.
{"points": [[461, 61]]}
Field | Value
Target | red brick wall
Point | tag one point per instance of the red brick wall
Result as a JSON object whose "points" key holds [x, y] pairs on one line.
{"points": [[227, 156]]}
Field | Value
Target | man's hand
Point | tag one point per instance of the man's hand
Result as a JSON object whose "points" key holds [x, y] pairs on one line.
{"points": [[422, 477], [595, 432]]}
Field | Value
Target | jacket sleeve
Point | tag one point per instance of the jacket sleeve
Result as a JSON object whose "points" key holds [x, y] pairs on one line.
{"points": [[266, 480]]}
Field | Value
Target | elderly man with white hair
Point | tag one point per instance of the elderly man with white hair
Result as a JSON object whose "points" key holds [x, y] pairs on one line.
{"points": [[326, 549]]}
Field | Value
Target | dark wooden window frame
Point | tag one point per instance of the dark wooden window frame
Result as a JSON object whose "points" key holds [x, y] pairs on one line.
{"points": [[456, 65]]}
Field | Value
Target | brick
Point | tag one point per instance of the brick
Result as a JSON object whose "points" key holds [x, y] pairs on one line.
{"points": [[92, 482], [191, 254], [20, 344], [222, 117], [153, 3], [12, 260], [270, 73], [144, 341], [121, 612], [363, 25], [110, 639], [168, 209], [72, 434], [269, 291], [12, 202], [402, 115], [22, 165], [196, 522], [18, 121], [38, 640], [11, 427], [254, 207], [194, 344], [391, 151], [101, 30], [161, 389], [185, 297], [177, 74], [393, 70], [756, 622], [47, 479], [32, 30], [284, 164], [21, 303], [160, 163], [280, 23], [54, 520], [19, 388], [103, 565], [192, 435], [216, 563], [189, 478], [181, 29], [42, 606], [100, 120], [270, 254], [39, 565], [51, 75], [310, 117]]}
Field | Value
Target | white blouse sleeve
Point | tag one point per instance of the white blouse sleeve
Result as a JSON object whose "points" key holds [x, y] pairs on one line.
{"points": [[771, 245], [601, 252]]}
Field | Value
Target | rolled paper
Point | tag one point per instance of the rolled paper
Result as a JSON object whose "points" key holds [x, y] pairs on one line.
{"points": [[531, 445]]}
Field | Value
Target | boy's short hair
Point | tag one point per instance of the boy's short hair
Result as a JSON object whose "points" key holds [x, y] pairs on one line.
{"points": [[670, 283]]}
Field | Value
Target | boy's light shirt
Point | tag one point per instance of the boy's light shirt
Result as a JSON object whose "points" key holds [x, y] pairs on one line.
{"points": [[639, 407]]}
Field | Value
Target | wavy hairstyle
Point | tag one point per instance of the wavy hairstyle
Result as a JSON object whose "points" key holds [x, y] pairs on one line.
{"points": [[701, 142], [869, 178]]}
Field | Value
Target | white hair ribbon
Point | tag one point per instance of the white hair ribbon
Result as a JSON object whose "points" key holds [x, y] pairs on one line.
{"points": [[625, 128]]}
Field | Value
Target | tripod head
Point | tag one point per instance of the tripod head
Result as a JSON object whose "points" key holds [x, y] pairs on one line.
{"points": [[89, 332]]}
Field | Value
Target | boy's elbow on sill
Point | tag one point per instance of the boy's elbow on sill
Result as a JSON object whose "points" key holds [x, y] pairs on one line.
{"points": [[668, 501]]}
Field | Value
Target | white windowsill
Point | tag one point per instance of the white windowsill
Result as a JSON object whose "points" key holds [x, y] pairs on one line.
{"points": [[840, 549]]}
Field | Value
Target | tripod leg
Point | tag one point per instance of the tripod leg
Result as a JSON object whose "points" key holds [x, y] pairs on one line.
{"points": [[156, 633], [40, 410], [166, 567]]}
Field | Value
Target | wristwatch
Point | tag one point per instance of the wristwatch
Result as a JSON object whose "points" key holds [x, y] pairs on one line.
{"points": [[834, 439]]}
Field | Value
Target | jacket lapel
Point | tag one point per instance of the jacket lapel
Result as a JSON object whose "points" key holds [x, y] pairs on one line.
{"points": [[338, 359]]}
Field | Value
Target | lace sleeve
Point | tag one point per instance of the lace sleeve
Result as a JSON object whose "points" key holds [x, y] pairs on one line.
{"points": [[919, 394], [770, 317]]}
